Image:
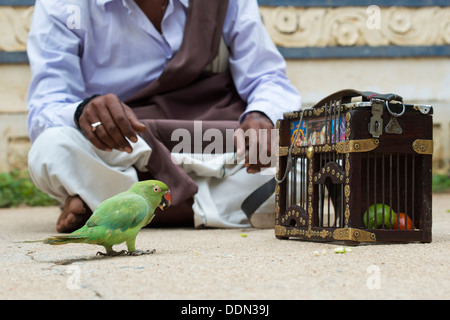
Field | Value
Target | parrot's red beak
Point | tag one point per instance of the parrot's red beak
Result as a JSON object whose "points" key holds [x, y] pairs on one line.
{"points": [[166, 200]]}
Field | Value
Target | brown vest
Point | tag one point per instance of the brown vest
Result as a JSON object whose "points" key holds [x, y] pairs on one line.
{"points": [[185, 92]]}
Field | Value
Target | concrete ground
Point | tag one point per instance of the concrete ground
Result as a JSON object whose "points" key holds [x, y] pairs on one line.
{"points": [[219, 264]]}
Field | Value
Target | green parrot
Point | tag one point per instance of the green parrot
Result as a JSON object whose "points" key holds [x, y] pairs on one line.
{"points": [[120, 218]]}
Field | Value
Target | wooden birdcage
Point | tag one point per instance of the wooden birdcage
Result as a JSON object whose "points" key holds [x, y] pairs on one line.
{"points": [[355, 171]]}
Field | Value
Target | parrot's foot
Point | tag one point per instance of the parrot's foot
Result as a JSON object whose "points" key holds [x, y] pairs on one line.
{"points": [[141, 253], [111, 253]]}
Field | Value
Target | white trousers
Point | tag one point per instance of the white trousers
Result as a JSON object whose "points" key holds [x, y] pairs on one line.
{"points": [[63, 163]]}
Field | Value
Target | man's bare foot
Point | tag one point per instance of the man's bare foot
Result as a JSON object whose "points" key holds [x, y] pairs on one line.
{"points": [[74, 215]]}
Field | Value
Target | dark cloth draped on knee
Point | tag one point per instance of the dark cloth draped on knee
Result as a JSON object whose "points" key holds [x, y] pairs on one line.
{"points": [[185, 93]]}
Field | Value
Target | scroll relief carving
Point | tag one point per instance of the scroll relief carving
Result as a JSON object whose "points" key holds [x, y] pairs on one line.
{"points": [[14, 27], [357, 26], [303, 27]]}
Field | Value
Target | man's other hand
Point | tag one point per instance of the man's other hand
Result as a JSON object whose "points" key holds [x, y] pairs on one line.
{"points": [[256, 133]]}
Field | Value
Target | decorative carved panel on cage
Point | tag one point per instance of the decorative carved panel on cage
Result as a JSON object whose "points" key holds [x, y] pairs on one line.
{"points": [[355, 171]]}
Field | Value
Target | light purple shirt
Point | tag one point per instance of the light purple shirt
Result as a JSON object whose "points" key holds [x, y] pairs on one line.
{"points": [[80, 48]]}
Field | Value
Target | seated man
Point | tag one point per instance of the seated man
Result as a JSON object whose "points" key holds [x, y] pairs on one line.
{"points": [[112, 81]]}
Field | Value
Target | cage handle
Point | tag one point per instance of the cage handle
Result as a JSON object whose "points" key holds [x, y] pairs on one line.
{"points": [[345, 96]]}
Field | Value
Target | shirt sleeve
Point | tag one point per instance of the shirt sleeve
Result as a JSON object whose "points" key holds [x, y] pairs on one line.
{"points": [[57, 85], [258, 69]]}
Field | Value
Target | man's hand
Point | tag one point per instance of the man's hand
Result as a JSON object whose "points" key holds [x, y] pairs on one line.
{"points": [[258, 143], [118, 123]]}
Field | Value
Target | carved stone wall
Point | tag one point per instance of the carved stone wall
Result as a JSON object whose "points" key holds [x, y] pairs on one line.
{"points": [[357, 26], [14, 79], [14, 26], [14, 144], [305, 27]]}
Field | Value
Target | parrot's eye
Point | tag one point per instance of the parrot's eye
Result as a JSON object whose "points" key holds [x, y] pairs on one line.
{"points": [[156, 189]]}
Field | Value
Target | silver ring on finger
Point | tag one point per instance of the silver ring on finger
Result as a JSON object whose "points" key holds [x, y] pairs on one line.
{"points": [[96, 125]]}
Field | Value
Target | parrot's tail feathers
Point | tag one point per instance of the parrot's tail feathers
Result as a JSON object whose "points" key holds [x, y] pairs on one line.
{"points": [[32, 241], [59, 240]]}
